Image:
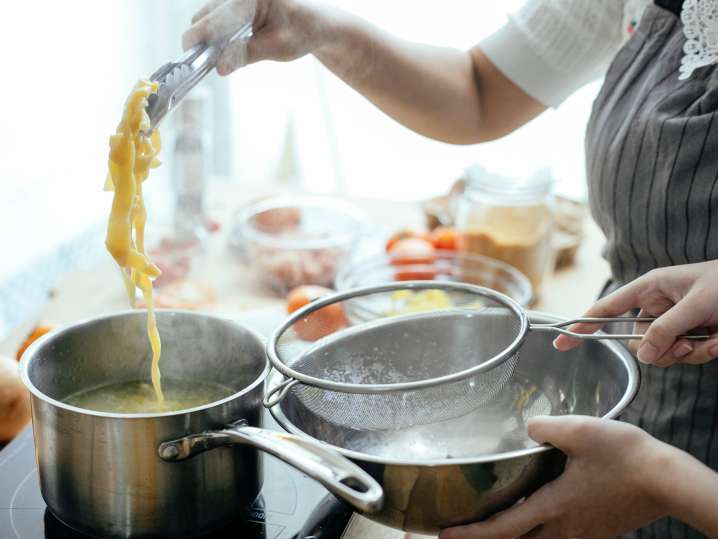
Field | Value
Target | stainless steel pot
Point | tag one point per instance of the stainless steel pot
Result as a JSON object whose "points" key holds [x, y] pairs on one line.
{"points": [[467, 469], [122, 475]]}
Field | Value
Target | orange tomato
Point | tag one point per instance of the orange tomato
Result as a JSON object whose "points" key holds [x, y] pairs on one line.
{"points": [[412, 251], [318, 324], [36, 333], [445, 238]]}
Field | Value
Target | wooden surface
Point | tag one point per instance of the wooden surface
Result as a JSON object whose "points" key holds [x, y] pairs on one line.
{"points": [[239, 294]]}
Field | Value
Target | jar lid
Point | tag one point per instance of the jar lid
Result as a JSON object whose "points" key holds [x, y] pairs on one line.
{"points": [[537, 184]]}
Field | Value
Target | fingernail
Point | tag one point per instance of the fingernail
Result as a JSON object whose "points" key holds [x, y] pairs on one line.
{"points": [[647, 353], [555, 343], [682, 350]]}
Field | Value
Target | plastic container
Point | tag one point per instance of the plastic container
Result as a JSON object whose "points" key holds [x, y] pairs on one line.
{"points": [[510, 220], [454, 266], [184, 282], [298, 240]]}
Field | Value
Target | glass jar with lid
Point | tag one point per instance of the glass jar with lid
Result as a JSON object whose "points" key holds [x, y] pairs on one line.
{"points": [[509, 219]]}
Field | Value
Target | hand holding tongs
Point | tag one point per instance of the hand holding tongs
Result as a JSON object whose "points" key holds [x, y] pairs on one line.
{"points": [[560, 327], [177, 78]]}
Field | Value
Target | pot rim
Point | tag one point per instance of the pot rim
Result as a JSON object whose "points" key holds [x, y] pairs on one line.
{"points": [[634, 379], [32, 351]]}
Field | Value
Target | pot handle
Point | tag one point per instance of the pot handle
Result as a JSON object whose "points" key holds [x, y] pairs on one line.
{"points": [[337, 474]]}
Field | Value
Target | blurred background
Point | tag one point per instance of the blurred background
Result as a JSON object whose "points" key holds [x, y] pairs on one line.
{"points": [[289, 124]]}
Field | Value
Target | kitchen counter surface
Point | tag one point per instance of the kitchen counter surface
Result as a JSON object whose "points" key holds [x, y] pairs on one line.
{"points": [[87, 293]]}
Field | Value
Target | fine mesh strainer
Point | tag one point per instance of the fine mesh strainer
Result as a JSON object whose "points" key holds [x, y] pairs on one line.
{"points": [[404, 354]]}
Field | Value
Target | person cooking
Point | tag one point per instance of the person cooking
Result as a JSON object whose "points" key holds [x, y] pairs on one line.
{"points": [[618, 477], [651, 170]]}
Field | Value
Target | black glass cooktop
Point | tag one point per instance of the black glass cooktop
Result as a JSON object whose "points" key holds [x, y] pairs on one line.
{"points": [[290, 506]]}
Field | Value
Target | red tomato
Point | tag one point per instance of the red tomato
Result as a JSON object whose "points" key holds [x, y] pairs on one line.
{"points": [[397, 236], [415, 274], [445, 238], [36, 333], [426, 236], [321, 323], [412, 251], [403, 235]]}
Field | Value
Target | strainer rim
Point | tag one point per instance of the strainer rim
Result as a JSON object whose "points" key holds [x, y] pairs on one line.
{"points": [[633, 384], [356, 388]]}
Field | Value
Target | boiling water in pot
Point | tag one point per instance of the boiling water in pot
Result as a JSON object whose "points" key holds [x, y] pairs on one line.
{"points": [[139, 397]]}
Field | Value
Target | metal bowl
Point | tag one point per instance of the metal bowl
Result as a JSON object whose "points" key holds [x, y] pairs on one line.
{"points": [[467, 469]]}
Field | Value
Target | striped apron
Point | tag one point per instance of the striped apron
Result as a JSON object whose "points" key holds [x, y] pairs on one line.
{"points": [[652, 165]]}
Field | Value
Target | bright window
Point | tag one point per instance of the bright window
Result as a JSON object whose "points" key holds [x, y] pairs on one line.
{"points": [[343, 143]]}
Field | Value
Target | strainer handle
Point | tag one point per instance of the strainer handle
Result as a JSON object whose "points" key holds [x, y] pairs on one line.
{"points": [[278, 392], [560, 327]]}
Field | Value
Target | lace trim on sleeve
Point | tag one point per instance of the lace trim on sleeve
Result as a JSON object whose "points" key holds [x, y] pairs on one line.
{"points": [[700, 27]]}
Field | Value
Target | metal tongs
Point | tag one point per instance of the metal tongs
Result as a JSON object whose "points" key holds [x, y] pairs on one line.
{"points": [[177, 78]]}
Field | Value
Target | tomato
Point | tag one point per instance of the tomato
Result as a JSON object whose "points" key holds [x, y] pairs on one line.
{"points": [[36, 333], [411, 274], [400, 235], [426, 236], [412, 251], [413, 258], [445, 238], [403, 235], [318, 324]]}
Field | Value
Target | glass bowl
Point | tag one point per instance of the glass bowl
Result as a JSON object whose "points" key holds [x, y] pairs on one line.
{"points": [[455, 266], [298, 240]]}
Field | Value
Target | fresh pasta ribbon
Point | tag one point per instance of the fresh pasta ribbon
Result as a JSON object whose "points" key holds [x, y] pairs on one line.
{"points": [[132, 155]]}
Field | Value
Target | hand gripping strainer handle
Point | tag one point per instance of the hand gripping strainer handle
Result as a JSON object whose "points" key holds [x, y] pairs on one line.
{"points": [[560, 327]]}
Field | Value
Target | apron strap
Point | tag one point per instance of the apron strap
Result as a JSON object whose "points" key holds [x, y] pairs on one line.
{"points": [[674, 6]]}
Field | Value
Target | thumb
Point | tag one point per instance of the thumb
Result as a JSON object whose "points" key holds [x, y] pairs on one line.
{"points": [[563, 432], [615, 304], [233, 56], [264, 45]]}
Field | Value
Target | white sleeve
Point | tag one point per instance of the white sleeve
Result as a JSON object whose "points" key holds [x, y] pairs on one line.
{"points": [[550, 48]]}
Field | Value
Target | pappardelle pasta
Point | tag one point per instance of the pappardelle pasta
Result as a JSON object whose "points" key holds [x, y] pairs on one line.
{"points": [[132, 155]]}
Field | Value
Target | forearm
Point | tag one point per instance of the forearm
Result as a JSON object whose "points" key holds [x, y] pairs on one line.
{"points": [[447, 94], [432, 90], [691, 491]]}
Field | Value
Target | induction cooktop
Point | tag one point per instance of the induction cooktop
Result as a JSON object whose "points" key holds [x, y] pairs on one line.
{"points": [[290, 505]]}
